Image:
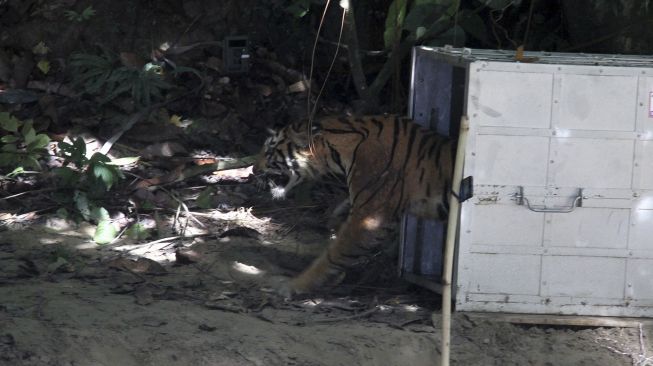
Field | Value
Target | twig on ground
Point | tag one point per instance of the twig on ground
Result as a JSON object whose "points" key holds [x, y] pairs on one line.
{"points": [[229, 308], [28, 192]]}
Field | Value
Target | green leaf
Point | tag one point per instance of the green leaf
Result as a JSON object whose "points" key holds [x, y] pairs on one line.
{"points": [[394, 22], [75, 152], [138, 232], [29, 134], [64, 146], [105, 232], [40, 49], [43, 66], [80, 145], [99, 214], [9, 148], [204, 199], [105, 174], [88, 12], [70, 14], [27, 126], [40, 141], [8, 139], [31, 160], [8, 122]]}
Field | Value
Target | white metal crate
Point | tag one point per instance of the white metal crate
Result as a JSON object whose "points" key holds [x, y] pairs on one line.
{"points": [[571, 135]]}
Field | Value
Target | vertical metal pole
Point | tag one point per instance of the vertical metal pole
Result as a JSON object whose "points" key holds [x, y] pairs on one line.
{"points": [[452, 224]]}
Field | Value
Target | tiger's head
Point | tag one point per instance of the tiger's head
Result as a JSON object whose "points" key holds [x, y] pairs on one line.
{"points": [[283, 162]]}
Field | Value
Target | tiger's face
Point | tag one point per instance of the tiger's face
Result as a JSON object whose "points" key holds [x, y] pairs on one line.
{"points": [[281, 163]]}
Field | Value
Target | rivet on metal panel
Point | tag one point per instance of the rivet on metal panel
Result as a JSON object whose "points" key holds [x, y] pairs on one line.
{"points": [[600, 70], [473, 153], [555, 101], [554, 133], [636, 164], [643, 71], [635, 194], [559, 68], [551, 161], [641, 105]]}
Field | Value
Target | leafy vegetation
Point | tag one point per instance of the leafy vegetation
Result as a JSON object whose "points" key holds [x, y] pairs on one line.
{"points": [[20, 147], [84, 15], [88, 180], [101, 76]]}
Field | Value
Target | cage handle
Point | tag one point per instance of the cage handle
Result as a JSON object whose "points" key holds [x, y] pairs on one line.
{"points": [[522, 200]]}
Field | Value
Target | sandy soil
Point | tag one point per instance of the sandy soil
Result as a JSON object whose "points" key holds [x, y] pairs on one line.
{"points": [[66, 301]]}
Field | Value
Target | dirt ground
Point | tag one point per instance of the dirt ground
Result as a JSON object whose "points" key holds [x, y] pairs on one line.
{"points": [[205, 301]]}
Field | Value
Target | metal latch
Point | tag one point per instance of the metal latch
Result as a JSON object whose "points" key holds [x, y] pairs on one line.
{"points": [[577, 202], [466, 189]]}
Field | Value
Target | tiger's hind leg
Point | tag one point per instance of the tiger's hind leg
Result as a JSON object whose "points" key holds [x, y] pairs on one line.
{"points": [[357, 241]]}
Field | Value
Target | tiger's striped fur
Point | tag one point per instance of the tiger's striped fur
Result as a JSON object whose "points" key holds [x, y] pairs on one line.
{"points": [[390, 164]]}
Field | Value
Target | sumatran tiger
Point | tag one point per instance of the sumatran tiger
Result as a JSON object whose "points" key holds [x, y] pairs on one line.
{"points": [[390, 164]]}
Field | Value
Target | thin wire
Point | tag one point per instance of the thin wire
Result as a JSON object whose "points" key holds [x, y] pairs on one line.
{"points": [[310, 80], [310, 71], [333, 61], [313, 110]]}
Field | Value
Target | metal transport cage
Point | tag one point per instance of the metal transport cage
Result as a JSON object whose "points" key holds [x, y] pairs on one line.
{"points": [[561, 152]]}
